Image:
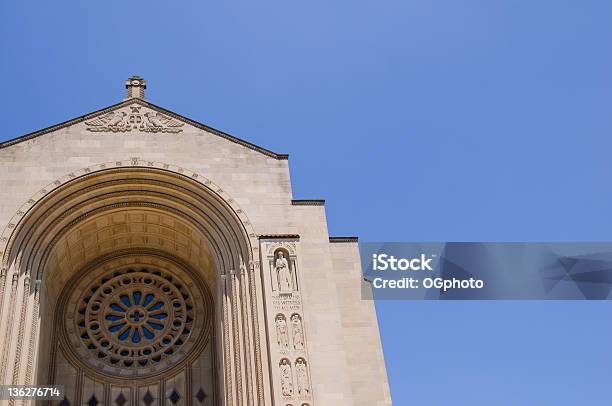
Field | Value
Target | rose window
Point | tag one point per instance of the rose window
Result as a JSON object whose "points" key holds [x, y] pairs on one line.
{"points": [[134, 321], [134, 316]]}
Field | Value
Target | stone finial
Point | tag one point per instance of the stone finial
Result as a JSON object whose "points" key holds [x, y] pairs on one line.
{"points": [[135, 87]]}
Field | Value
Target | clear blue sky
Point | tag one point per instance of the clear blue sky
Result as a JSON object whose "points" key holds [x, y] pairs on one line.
{"points": [[418, 120]]}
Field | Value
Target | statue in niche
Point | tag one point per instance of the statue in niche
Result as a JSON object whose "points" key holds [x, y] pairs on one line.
{"points": [[283, 273], [298, 332], [286, 378], [282, 335], [302, 377]]}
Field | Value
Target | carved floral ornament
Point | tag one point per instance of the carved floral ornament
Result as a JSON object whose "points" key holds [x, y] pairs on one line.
{"points": [[288, 245], [134, 118]]}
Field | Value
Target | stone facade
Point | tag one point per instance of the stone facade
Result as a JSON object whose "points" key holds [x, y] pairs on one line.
{"points": [[256, 304]]}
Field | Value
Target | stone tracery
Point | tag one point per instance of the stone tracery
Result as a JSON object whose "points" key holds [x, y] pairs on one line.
{"points": [[133, 319]]}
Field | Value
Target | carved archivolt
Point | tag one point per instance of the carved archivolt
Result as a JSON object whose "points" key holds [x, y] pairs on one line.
{"points": [[6, 239], [27, 244]]}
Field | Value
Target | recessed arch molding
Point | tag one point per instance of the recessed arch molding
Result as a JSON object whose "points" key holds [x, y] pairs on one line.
{"points": [[141, 209]]}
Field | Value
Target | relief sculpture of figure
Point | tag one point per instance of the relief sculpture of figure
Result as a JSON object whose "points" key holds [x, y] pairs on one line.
{"points": [[282, 337], [286, 378], [298, 332], [302, 377], [283, 274]]}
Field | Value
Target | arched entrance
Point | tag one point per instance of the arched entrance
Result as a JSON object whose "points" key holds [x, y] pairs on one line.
{"points": [[132, 284]]}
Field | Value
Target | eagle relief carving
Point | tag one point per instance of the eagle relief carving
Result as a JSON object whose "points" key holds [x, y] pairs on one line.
{"points": [[133, 119]]}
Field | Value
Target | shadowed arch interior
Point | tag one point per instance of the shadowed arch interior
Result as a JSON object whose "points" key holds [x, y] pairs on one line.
{"points": [[120, 212]]}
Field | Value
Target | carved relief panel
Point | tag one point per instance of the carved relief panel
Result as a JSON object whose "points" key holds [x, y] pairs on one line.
{"points": [[134, 118], [291, 383]]}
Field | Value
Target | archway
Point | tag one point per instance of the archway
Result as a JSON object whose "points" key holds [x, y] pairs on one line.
{"points": [[85, 266]]}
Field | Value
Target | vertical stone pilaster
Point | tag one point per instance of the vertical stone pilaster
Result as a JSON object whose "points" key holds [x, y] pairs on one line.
{"points": [[33, 337], [228, 387], [235, 287], [246, 329], [257, 341], [20, 332], [290, 372], [8, 333]]}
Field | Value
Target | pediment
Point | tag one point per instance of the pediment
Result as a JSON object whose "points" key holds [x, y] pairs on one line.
{"points": [[134, 118]]}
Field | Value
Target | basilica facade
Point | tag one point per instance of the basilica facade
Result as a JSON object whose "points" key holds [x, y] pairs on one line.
{"points": [[148, 259]]}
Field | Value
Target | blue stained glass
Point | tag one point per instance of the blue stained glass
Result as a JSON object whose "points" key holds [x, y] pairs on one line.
{"points": [[159, 316], [156, 326], [136, 337], [125, 334], [117, 327], [116, 307], [147, 333], [112, 317], [174, 397], [148, 299], [156, 306], [137, 296], [126, 300]]}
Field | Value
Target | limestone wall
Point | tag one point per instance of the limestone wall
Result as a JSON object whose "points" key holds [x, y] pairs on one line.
{"points": [[345, 359]]}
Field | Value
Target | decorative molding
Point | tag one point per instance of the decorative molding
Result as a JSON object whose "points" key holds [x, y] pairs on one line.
{"points": [[279, 236], [19, 226], [304, 202], [343, 239], [94, 170]]}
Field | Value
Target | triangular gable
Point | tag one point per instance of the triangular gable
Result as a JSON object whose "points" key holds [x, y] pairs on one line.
{"points": [[126, 116]]}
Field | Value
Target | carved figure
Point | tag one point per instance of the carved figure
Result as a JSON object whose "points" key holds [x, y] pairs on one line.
{"points": [[110, 120], [159, 122], [153, 120], [286, 378], [282, 336], [283, 274], [302, 377], [298, 332], [119, 121]]}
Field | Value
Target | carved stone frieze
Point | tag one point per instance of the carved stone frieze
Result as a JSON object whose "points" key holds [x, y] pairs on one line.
{"points": [[134, 118]]}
